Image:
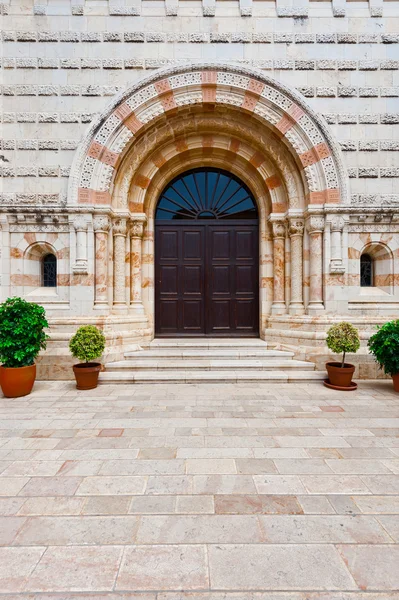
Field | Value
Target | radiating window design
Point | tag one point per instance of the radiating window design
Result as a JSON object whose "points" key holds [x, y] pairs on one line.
{"points": [[206, 194], [49, 267], [366, 271]]}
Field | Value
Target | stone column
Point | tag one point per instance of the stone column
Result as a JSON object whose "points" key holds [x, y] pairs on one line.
{"points": [[101, 225], [336, 264], [296, 235], [119, 230], [80, 225], [315, 227], [278, 306], [136, 238]]}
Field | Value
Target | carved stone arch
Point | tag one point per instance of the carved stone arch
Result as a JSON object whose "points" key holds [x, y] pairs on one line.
{"points": [[167, 91]]}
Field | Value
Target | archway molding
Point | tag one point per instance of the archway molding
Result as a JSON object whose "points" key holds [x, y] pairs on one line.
{"points": [[208, 85]]}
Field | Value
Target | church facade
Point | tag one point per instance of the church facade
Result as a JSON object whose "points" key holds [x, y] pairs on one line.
{"points": [[182, 168]]}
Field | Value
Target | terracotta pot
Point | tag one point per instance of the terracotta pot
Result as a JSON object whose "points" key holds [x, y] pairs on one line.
{"points": [[18, 381], [340, 376], [395, 380], [86, 375]]}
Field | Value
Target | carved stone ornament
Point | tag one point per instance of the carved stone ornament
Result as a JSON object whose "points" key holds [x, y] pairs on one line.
{"points": [[119, 227], [278, 229], [80, 224], [296, 227], [337, 223], [315, 224], [137, 229], [101, 223]]}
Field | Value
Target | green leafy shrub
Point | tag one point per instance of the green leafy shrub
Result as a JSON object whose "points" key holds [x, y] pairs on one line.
{"points": [[22, 333], [87, 344], [384, 346], [343, 337]]}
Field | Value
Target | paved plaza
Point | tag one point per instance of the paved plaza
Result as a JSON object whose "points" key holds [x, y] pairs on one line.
{"points": [[200, 492]]}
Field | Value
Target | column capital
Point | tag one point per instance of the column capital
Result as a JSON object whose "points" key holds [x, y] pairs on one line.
{"points": [[337, 223], [278, 229], [80, 223], [315, 224], [101, 223], [137, 228], [296, 226], [119, 227]]}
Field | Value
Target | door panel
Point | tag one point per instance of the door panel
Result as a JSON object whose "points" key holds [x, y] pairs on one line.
{"points": [[206, 278]]}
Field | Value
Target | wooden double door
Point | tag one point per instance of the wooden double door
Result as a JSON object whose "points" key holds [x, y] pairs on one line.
{"points": [[207, 278]]}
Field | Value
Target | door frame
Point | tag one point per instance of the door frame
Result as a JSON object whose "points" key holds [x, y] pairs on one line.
{"points": [[213, 222]]}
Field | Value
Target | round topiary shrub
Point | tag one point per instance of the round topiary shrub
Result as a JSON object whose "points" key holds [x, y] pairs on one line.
{"points": [[343, 337], [87, 344], [384, 346], [22, 333]]}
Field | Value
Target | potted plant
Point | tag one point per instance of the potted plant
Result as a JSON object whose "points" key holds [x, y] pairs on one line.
{"points": [[87, 344], [384, 346], [344, 338], [22, 337]]}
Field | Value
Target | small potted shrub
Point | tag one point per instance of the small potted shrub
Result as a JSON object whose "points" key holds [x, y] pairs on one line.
{"points": [[22, 337], [344, 338], [87, 344], [384, 346]]}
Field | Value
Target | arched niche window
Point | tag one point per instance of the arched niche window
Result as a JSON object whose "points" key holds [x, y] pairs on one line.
{"points": [[366, 271], [49, 271]]}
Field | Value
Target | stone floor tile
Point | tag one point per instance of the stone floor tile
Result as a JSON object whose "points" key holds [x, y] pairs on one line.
{"points": [[157, 453], [343, 505], [334, 484], [109, 486], [223, 484], [357, 466], [279, 484], [299, 466], [253, 441], [215, 453], [48, 505], [316, 505], [164, 568], [199, 504], [76, 569], [277, 567], [377, 504], [32, 468], [169, 484], [11, 486], [199, 529], [143, 467], [255, 466], [273, 453], [9, 527], [81, 530], [105, 505], [210, 466], [308, 529], [373, 567], [10, 506], [111, 432], [382, 484], [391, 525], [157, 505], [256, 504], [51, 486], [392, 464], [311, 442], [80, 467], [16, 565]]}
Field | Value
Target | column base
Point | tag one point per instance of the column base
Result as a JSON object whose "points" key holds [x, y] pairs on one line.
{"points": [[120, 307], [315, 308], [101, 306], [296, 308], [137, 308], [279, 308]]}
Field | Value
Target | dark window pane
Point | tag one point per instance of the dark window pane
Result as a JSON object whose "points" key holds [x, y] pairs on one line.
{"points": [[49, 271], [366, 271], [206, 194]]}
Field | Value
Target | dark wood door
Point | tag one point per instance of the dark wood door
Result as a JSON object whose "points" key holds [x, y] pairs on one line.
{"points": [[207, 279]]}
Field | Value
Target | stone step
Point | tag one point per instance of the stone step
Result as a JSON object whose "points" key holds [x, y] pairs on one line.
{"points": [[128, 376], [208, 353], [242, 343], [206, 364]]}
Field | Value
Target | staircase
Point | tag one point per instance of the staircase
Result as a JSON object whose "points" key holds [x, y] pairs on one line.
{"points": [[209, 360]]}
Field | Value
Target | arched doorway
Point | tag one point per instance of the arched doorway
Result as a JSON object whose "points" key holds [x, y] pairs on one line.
{"points": [[206, 256]]}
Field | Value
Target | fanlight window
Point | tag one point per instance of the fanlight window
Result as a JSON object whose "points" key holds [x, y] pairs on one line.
{"points": [[206, 194], [366, 271], [49, 266]]}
